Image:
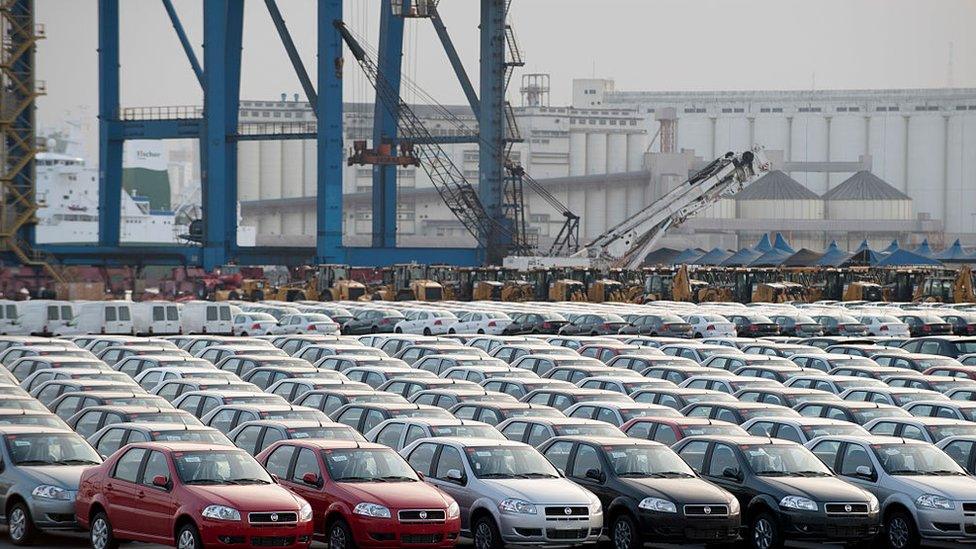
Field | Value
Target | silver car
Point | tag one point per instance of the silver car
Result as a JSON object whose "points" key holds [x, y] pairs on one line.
{"points": [[39, 478], [924, 494], [508, 492]]}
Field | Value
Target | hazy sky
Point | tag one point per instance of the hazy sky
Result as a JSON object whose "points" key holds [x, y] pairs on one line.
{"points": [[642, 44]]}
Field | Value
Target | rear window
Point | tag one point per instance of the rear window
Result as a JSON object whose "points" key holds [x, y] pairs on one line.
{"points": [[172, 313], [111, 315], [159, 313], [124, 313], [224, 313]]}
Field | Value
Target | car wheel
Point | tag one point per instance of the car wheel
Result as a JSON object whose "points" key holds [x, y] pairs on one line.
{"points": [[20, 525], [765, 532], [188, 538], [625, 534], [901, 530], [426, 331], [374, 330], [340, 537], [486, 535], [480, 331], [398, 330], [243, 334], [451, 331], [101, 534]]}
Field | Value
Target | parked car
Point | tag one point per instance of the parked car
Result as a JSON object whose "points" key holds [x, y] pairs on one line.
{"points": [[254, 323], [400, 432], [594, 324], [801, 429], [661, 324], [254, 436], [838, 324], [668, 430], [710, 325], [798, 325], [753, 325], [109, 439], [206, 317], [925, 324]]}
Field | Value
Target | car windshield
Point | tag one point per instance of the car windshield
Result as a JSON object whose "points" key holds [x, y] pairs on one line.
{"points": [[915, 459], [783, 460], [856, 362], [927, 363], [315, 317], [647, 461], [593, 430], [965, 347], [698, 430], [867, 414], [814, 431], [844, 319], [219, 467], [24, 404], [50, 449], [368, 465], [609, 318], [201, 435], [859, 382], [940, 432], [39, 420], [466, 431], [509, 462], [714, 396], [535, 412], [800, 319], [261, 317], [164, 417]]}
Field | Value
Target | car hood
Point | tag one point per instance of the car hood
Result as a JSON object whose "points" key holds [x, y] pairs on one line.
{"points": [[67, 476], [818, 488], [248, 498], [956, 488], [400, 495], [679, 490], [557, 491]]}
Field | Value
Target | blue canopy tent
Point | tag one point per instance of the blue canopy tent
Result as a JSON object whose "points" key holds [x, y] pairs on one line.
{"points": [[714, 257], [833, 256], [772, 258], [763, 245], [803, 258], [954, 254], [662, 256], [891, 247], [863, 246], [782, 245], [923, 249], [740, 258], [905, 258], [688, 257], [864, 256]]}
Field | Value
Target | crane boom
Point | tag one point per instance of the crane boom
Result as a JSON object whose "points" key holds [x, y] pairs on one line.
{"points": [[626, 244]]}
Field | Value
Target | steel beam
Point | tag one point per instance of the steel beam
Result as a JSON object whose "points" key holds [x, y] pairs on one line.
{"points": [[292, 51], [330, 161], [110, 150], [174, 18], [232, 109], [452, 55], [389, 64], [491, 124], [157, 129]]}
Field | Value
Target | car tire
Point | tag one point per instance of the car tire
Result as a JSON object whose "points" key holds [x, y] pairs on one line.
{"points": [[398, 330], [480, 331], [20, 525], [426, 331], [100, 532], [451, 331], [340, 536], [764, 532], [624, 533], [486, 534], [901, 531], [188, 537]]}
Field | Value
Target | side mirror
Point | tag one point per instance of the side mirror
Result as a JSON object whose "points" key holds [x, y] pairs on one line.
{"points": [[160, 481], [421, 475], [595, 474], [275, 478], [561, 472], [865, 472], [732, 473], [312, 479], [455, 476]]}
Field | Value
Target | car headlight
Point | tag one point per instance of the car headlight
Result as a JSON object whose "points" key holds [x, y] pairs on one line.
{"points": [[658, 504], [596, 507], [46, 491], [734, 506], [932, 501], [453, 510], [305, 513], [517, 506], [873, 504], [221, 512], [374, 510], [799, 503]]}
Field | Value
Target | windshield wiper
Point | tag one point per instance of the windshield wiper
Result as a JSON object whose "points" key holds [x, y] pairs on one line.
{"points": [[944, 473], [679, 474], [354, 479], [205, 481], [906, 472], [497, 475], [35, 462], [248, 481], [811, 474], [76, 462], [395, 478], [537, 475], [771, 473]]}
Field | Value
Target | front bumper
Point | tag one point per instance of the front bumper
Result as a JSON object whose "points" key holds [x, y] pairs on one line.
{"points": [[238, 535], [956, 524], [50, 514], [390, 533], [539, 530], [817, 526], [678, 528]]}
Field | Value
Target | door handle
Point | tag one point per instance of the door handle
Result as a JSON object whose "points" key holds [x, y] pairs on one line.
{"points": [[140, 494], [108, 487]]}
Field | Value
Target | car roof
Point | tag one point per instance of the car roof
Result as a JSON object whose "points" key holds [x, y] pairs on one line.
{"points": [[740, 439], [603, 441], [31, 430]]}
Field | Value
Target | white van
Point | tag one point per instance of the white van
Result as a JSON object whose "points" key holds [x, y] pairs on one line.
{"points": [[156, 318], [9, 318], [206, 317], [47, 317], [105, 317]]}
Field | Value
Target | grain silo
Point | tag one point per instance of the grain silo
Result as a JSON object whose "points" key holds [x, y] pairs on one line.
{"points": [[777, 196], [866, 196]]}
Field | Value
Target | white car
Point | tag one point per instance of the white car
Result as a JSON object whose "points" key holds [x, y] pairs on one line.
{"points": [[884, 325], [151, 378], [307, 323], [710, 325], [493, 323], [432, 322], [247, 324]]}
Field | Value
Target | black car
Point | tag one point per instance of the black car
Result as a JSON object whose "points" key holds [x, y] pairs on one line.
{"points": [[647, 491], [535, 323], [658, 325], [822, 342], [963, 323], [753, 325], [836, 324], [372, 321], [797, 325], [950, 346], [594, 324], [925, 324], [786, 492]]}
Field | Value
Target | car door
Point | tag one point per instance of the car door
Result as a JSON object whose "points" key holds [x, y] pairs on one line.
{"points": [[589, 470], [723, 459], [449, 461], [120, 495], [307, 461], [854, 455], [154, 504]]}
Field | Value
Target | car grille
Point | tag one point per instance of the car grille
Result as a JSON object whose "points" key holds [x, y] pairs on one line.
{"points": [[711, 533], [272, 541], [421, 515], [576, 533], [557, 511], [707, 510], [846, 508], [272, 518], [969, 507], [849, 532], [420, 538]]}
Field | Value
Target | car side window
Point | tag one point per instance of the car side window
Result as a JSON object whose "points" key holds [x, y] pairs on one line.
{"points": [[640, 429], [422, 457], [156, 466], [390, 435], [247, 439], [723, 457], [558, 454], [110, 441], [515, 430], [827, 452], [854, 456], [306, 463], [538, 435], [913, 432], [789, 432], [960, 451], [450, 460], [127, 468], [587, 459], [665, 435], [886, 428], [279, 461], [694, 454], [761, 428]]}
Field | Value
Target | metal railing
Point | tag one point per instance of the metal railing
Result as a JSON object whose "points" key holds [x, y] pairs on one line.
{"points": [[167, 112]]}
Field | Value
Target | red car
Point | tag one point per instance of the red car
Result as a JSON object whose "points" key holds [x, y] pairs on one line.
{"points": [[364, 494], [189, 495]]}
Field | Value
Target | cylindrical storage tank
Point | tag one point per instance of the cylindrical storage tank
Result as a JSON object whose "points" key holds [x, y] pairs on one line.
{"points": [[869, 209], [292, 222], [808, 140], [848, 139], [616, 204], [309, 219], [731, 134], [576, 202], [888, 145], [961, 175], [596, 210], [617, 153], [636, 146], [927, 163], [577, 153], [695, 133], [292, 164], [781, 209], [635, 199], [248, 170], [772, 132], [309, 172], [596, 153], [270, 154]]}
